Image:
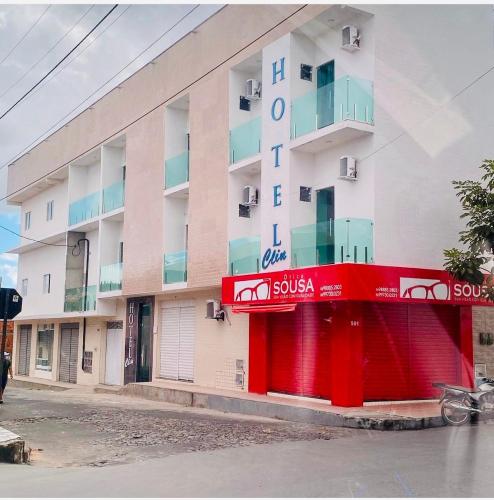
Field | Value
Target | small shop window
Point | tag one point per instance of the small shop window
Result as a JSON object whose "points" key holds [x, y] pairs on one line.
{"points": [[44, 350]]}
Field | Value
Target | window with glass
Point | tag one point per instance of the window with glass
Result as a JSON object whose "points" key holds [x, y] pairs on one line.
{"points": [[27, 220], [49, 210], [44, 349], [46, 283], [24, 287]]}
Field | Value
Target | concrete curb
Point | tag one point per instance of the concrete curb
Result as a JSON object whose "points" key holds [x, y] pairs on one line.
{"points": [[230, 404], [28, 384], [12, 448]]}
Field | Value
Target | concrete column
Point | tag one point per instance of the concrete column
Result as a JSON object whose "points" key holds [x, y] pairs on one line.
{"points": [[258, 353], [466, 346], [347, 387]]}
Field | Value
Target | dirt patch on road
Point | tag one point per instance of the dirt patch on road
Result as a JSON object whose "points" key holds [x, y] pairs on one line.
{"points": [[100, 436]]}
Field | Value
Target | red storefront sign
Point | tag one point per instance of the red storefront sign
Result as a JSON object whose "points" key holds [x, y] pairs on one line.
{"points": [[350, 282]]}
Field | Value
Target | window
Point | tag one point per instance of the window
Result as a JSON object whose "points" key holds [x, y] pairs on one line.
{"points": [[44, 350], [49, 210], [24, 287], [46, 283], [27, 220]]}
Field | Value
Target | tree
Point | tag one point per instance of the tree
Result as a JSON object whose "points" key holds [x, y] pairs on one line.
{"points": [[477, 201]]}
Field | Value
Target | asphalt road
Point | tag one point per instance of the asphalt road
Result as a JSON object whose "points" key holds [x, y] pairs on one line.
{"points": [[291, 461]]}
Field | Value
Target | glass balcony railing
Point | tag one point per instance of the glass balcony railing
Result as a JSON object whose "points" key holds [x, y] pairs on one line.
{"points": [[177, 170], [74, 299], [333, 241], [113, 196], [245, 140], [84, 209], [110, 277], [347, 98], [244, 255], [175, 267]]}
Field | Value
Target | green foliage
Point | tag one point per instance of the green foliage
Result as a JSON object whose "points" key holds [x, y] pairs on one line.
{"points": [[477, 201]]}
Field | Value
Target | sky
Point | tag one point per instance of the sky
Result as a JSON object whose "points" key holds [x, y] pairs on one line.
{"points": [[34, 38]]}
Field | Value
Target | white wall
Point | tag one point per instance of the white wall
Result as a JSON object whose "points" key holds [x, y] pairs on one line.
{"points": [[240, 227], [111, 236], [84, 180], [237, 83], [40, 227], [93, 275], [176, 130], [112, 161], [425, 55], [175, 219], [33, 265]]}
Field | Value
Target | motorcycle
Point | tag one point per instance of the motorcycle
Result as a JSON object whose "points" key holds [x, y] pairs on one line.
{"points": [[461, 404]]}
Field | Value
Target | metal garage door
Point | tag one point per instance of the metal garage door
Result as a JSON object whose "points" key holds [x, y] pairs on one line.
{"points": [[299, 351], [177, 342], [24, 349], [407, 347], [69, 344]]}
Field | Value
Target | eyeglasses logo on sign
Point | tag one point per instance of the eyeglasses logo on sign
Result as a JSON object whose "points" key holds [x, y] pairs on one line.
{"points": [[249, 290], [417, 288]]}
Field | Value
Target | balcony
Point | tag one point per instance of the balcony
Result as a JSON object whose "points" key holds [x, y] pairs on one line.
{"points": [[177, 170], [175, 267], [333, 241], [244, 255], [74, 299], [84, 209], [245, 140], [113, 196], [344, 109], [110, 277]]}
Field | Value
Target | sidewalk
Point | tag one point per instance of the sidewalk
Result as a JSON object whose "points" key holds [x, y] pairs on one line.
{"points": [[376, 416], [386, 416]]}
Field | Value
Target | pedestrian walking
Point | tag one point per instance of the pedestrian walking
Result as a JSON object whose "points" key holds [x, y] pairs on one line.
{"points": [[7, 370]]}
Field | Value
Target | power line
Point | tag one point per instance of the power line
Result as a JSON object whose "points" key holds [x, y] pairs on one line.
{"points": [[67, 33], [59, 62], [25, 34], [98, 89], [35, 240], [63, 68], [154, 108]]}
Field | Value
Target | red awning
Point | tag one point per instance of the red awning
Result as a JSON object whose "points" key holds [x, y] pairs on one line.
{"points": [[264, 308]]}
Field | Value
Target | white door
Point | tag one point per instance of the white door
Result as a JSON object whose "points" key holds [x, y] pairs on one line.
{"points": [[177, 342], [114, 355]]}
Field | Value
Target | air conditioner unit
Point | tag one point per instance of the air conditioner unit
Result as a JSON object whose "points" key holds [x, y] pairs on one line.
{"points": [[253, 89], [350, 38], [249, 196], [348, 168], [213, 310]]}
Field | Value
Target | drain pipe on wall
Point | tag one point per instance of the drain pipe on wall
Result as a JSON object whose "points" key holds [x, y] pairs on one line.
{"points": [[86, 276]]}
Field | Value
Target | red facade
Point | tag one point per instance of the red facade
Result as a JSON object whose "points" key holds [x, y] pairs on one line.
{"points": [[356, 333]]}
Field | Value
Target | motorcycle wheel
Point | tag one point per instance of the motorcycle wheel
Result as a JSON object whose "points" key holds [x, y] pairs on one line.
{"points": [[452, 416]]}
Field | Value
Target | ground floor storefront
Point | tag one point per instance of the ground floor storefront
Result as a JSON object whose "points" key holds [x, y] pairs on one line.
{"points": [[354, 333]]}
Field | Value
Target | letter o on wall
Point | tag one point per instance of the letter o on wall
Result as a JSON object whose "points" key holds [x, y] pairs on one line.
{"points": [[278, 110]]}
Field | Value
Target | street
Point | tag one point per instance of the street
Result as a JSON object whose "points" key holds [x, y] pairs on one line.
{"points": [[88, 444]]}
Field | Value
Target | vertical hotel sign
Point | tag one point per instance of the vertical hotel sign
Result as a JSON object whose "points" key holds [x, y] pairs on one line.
{"points": [[275, 176], [131, 335]]}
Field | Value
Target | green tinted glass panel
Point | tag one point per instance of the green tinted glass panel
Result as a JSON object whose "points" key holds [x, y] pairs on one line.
{"points": [[175, 267], [348, 98], [110, 277], [244, 255], [74, 299], [177, 170], [354, 240], [245, 140], [312, 245], [84, 209], [113, 196]]}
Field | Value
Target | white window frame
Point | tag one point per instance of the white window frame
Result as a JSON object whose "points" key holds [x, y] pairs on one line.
{"points": [[27, 221], [49, 210], [25, 283], [46, 283]]}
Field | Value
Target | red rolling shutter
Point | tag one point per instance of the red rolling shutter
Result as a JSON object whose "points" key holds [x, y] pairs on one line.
{"points": [[434, 348], [299, 351], [407, 347], [386, 368]]}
